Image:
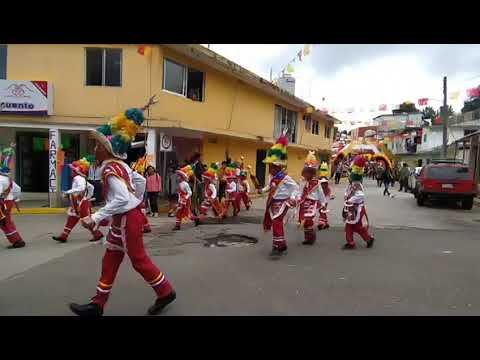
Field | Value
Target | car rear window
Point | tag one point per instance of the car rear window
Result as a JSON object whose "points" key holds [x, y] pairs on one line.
{"points": [[449, 173]]}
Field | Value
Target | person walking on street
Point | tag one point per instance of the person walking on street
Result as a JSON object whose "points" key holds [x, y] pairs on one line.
{"points": [[338, 172], [387, 179], [380, 173], [154, 187], [404, 174]]}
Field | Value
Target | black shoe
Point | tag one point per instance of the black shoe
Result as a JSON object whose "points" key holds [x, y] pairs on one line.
{"points": [[59, 239], [276, 252], [308, 242], [161, 303], [17, 245], [87, 310], [175, 228], [348, 246], [96, 239], [197, 222], [370, 242]]}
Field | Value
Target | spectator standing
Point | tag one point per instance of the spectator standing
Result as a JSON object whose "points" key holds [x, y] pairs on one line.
{"points": [[404, 174], [198, 169], [338, 172], [154, 187], [387, 179], [380, 174]]}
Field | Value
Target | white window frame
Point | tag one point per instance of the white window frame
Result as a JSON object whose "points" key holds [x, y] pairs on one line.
{"points": [[329, 128], [308, 123], [185, 80], [280, 124], [104, 65]]}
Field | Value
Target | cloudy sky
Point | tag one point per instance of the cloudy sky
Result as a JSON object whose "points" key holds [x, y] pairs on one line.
{"points": [[365, 75]]}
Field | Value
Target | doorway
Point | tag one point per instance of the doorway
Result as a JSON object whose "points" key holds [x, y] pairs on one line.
{"points": [[260, 167], [32, 161]]}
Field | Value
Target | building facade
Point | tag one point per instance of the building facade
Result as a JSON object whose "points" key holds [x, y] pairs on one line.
{"points": [[206, 104]]}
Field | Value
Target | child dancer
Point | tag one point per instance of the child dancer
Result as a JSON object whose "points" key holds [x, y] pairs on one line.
{"points": [[210, 200], [184, 207]]}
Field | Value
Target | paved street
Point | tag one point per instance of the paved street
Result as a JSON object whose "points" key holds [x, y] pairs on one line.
{"points": [[424, 262]]}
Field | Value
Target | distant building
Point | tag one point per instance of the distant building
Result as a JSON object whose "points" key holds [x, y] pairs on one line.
{"points": [[287, 83]]}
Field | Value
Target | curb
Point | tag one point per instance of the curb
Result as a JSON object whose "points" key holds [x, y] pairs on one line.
{"points": [[39, 211], [52, 211]]}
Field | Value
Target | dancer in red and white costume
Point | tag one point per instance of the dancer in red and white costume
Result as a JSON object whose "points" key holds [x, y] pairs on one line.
{"points": [[210, 200], [231, 190], [282, 195], [80, 201], [184, 207], [243, 190], [323, 210], [311, 198], [354, 212], [9, 196], [124, 207]]}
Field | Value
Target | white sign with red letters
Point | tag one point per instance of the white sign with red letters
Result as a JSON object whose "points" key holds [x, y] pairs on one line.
{"points": [[26, 97]]}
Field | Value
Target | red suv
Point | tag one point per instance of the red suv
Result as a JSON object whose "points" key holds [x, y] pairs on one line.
{"points": [[447, 180]]}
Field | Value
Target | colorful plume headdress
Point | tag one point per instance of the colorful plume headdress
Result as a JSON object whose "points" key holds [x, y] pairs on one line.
{"points": [[81, 166], [358, 167], [323, 170], [186, 172], [311, 161], [277, 154], [120, 131], [212, 171], [383, 158], [6, 158]]}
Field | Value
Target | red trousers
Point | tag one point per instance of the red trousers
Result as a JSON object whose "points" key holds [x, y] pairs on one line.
{"points": [[307, 212], [361, 228], [323, 218], [85, 209], [231, 199], [184, 211], [243, 196], [8, 226], [278, 233], [126, 235]]}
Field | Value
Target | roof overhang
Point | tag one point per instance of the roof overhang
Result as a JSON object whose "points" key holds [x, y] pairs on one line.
{"points": [[210, 58]]}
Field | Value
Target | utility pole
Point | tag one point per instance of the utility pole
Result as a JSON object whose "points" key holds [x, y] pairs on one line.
{"points": [[445, 117]]}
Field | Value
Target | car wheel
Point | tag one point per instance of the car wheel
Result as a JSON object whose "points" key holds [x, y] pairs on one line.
{"points": [[467, 204], [420, 200]]}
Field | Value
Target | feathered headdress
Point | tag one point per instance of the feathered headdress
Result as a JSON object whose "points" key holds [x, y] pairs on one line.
{"points": [[5, 159], [231, 170], [80, 166], [120, 131], [277, 154], [186, 172], [323, 170], [211, 173], [358, 167], [311, 161]]}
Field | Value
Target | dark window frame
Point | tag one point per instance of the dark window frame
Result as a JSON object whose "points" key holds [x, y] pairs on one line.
{"points": [[315, 127], [5, 46], [187, 69], [104, 66], [287, 116]]}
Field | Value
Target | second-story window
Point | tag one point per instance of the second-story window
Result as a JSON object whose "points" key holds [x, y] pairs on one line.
{"points": [[328, 131], [315, 127], [308, 123], [3, 62], [285, 119], [183, 80], [103, 67]]}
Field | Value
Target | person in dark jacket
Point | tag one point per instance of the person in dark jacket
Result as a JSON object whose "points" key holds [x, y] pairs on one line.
{"points": [[197, 183]]}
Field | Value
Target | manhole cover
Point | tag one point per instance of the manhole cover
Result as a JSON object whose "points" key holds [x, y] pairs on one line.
{"points": [[236, 240]]}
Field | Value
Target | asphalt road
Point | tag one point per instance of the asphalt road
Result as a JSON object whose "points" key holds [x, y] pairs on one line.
{"points": [[424, 262]]}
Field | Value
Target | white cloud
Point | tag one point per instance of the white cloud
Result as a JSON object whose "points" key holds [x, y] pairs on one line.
{"points": [[388, 78]]}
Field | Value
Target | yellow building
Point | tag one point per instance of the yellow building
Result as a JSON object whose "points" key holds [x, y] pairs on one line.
{"points": [[54, 94]]}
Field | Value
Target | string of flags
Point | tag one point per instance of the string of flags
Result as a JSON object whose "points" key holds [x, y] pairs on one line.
{"points": [[144, 50], [452, 96], [300, 56]]}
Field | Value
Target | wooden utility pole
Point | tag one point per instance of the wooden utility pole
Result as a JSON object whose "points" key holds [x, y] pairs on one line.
{"points": [[445, 117]]}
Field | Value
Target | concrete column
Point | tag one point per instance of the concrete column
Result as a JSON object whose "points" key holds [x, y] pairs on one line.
{"points": [[152, 147], [54, 189]]}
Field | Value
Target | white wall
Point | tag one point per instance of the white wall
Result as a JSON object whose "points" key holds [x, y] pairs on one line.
{"points": [[434, 137]]}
